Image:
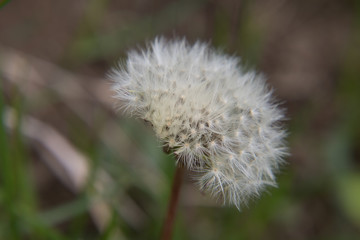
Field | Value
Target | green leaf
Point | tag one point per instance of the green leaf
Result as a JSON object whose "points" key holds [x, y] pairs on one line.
{"points": [[349, 196]]}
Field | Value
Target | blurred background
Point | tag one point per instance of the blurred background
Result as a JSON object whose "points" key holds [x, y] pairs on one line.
{"points": [[73, 168]]}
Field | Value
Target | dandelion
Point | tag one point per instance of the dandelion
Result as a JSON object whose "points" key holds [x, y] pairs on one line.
{"points": [[217, 118]]}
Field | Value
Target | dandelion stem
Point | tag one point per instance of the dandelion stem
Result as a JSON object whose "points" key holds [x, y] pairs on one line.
{"points": [[174, 199]]}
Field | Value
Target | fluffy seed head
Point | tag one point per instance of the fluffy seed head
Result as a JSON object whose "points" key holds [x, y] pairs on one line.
{"points": [[219, 119]]}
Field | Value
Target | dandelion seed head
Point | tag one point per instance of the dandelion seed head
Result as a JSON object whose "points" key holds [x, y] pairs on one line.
{"points": [[219, 119]]}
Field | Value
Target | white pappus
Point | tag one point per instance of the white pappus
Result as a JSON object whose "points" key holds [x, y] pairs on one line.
{"points": [[218, 119]]}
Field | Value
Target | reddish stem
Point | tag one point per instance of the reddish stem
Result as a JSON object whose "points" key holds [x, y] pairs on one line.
{"points": [[174, 199]]}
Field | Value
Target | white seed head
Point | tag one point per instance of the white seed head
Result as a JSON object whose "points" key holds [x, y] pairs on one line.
{"points": [[219, 119]]}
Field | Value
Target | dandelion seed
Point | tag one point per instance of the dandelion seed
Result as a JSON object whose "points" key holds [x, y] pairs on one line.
{"points": [[219, 119]]}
